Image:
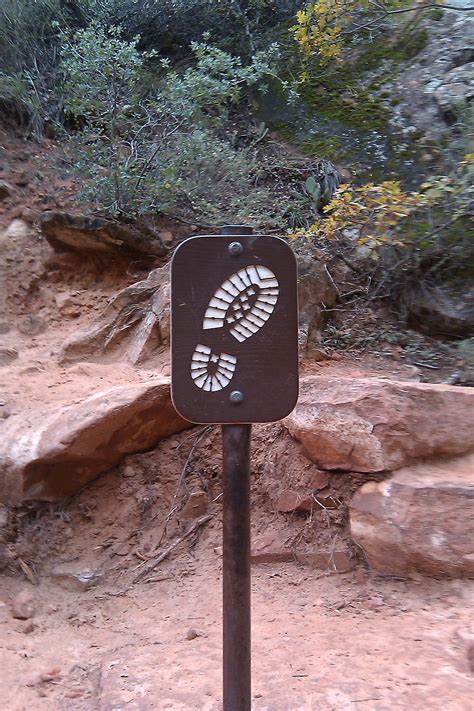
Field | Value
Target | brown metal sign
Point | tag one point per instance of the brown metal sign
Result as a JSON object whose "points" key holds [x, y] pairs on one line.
{"points": [[234, 329]]}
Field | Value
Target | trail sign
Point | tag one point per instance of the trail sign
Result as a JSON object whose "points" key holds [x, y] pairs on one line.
{"points": [[234, 329], [234, 360]]}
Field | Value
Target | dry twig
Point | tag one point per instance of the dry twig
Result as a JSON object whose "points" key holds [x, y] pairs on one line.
{"points": [[164, 554]]}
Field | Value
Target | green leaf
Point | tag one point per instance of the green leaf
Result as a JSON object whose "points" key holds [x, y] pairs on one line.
{"points": [[311, 185]]}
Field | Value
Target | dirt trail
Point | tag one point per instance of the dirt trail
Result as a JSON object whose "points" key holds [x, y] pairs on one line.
{"points": [[320, 641], [346, 642]]}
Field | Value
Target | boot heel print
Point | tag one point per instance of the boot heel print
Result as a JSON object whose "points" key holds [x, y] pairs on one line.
{"points": [[242, 305]]}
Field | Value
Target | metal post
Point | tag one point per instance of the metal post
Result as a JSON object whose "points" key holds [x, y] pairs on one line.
{"points": [[258, 273], [236, 553], [236, 566]]}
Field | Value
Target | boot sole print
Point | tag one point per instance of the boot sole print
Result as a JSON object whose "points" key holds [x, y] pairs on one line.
{"points": [[242, 305]]}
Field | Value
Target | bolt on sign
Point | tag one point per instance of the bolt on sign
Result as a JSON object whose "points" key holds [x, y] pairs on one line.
{"points": [[234, 329]]}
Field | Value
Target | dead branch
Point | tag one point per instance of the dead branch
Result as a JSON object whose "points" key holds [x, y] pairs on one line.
{"points": [[174, 506], [149, 569]]}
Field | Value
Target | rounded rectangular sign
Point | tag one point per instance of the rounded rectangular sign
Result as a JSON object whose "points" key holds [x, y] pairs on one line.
{"points": [[234, 329]]}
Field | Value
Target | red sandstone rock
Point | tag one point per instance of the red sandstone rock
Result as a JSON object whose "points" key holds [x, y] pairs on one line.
{"points": [[49, 454], [23, 606], [270, 548], [374, 425], [421, 520]]}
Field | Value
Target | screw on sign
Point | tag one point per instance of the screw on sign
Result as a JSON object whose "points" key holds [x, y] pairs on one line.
{"points": [[234, 355]]}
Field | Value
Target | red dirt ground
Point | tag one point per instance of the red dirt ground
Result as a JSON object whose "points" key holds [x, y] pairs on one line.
{"points": [[320, 641]]}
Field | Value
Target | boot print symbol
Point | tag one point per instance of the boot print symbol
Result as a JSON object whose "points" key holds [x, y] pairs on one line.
{"points": [[242, 305]]}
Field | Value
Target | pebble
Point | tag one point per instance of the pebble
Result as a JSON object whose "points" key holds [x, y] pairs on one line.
{"points": [[50, 675], [76, 580], [75, 693], [191, 634], [28, 627], [23, 606]]}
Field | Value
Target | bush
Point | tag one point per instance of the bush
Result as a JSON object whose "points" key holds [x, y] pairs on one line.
{"points": [[28, 61], [216, 183], [409, 241], [148, 139]]}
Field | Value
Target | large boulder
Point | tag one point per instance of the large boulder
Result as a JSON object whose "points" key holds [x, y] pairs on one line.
{"points": [[49, 454], [133, 327], [82, 233], [420, 520], [376, 425], [435, 87], [445, 311]]}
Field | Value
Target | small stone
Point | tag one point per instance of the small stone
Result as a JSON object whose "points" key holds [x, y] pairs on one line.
{"points": [[191, 634], [270, 548], [75, 693], [23, 606], [318, 354], [51, 675], [17, 229], [6, 190], [288, 501], [122, 549], [67, 304], [28, 627], [128, 471], [319, 480], [327, 502], [167, 237], [28, 215], [64, 301], [22, 179], [76, 581], [31, 325]]}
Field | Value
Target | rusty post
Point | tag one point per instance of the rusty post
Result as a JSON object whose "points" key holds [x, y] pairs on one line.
{"points": [[234, 362], [236, 555], [236, 566]]}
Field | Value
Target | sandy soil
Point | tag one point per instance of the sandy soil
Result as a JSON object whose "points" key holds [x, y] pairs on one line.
{"points": [[342, 642]]}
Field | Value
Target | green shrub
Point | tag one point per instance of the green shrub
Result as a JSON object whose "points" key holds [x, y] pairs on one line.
{"points": [[148, 139]]}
